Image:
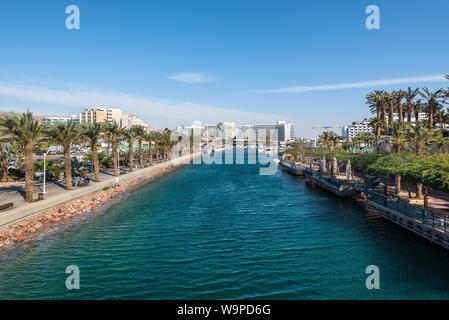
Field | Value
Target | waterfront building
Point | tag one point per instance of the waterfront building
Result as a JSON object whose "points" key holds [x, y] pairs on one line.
{"points": [[60, 119], [422, 116], [94, 115], [101, 115], [285, 131], [128, 120], [350, 132], [224, 130]]}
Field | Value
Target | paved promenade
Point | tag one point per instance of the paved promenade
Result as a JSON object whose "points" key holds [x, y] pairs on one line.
{"points": [[57, 195]]}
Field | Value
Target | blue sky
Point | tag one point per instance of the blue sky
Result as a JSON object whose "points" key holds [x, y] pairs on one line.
{"points": [[174, 62]]}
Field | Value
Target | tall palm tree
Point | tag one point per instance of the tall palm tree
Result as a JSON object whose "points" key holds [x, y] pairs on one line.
{"points": [[130, 136], [65, 134], [150, 138], [389, 98], [158, 138], [375, 100], [418, 136], [417, 108], [26, 132], [140, 135], [398, 97], [171, 145], [398, 136], [377, 124], [410, 94], [92, 132], [166, 141], [433, 103], [113, 133]]}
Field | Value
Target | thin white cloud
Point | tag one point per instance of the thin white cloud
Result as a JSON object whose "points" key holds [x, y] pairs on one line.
{"points": [[157, 112], [363, 84], [190, 77]]}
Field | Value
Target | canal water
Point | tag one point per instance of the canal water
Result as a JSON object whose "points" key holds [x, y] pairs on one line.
{"points": [[226, 232]]}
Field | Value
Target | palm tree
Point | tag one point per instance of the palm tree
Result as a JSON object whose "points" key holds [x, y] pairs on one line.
{"points": [[433, 103], [130, 136], [150, 137], [377, 124], [365, 138], [166, 140], [113, 133], [410, 94], [158, 138], [417, 108], [389, 98], [171, 144], [26, 132], [398, 96], [328, 139], [375, 100], [440, 140], [92, 132], [65, 134], [398, 135], [418, 136], [140, 135]]}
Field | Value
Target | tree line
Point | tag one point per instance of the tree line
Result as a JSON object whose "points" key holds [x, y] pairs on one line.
{"points": [[22, 131], [415, 150]]}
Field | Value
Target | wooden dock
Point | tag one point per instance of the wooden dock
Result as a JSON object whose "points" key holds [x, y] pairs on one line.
{"points": [[342, 188], [293, 168]]}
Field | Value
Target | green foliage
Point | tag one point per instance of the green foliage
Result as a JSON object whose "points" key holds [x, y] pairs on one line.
{"points": [[328, 139], [104, 159], [388, 165], [432, 171], [52, 169], [8, 152]]}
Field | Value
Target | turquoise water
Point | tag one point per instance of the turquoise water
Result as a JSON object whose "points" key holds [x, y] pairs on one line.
{"points": [[226, 232]]}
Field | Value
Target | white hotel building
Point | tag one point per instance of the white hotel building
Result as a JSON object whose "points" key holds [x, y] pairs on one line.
{"points": [[350, 132]]}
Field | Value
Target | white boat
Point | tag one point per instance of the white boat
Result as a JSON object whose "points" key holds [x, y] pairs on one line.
{"points": [[268, 151]]}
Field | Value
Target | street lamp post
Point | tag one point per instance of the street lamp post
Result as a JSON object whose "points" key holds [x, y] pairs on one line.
{"points": [[45, 159], [118, 165], [118, 160]]}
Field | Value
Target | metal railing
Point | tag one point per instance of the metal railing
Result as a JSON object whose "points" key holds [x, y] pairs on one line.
{"points": [[425, 217], [340, 184]]}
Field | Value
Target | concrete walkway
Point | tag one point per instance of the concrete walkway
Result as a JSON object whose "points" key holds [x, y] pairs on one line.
{"points": [[25, 210]]}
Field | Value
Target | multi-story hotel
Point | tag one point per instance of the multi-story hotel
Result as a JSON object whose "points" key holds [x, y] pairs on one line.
{"points": [[125, 120], [350, 132], [60, 119], [285, 131]]}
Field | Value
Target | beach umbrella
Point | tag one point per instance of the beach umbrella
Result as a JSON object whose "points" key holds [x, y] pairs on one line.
{"points": [[334, 166], [348, 170]]}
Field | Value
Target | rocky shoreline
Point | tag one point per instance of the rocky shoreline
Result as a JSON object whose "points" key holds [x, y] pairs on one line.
{"points": [[38, 225]]}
